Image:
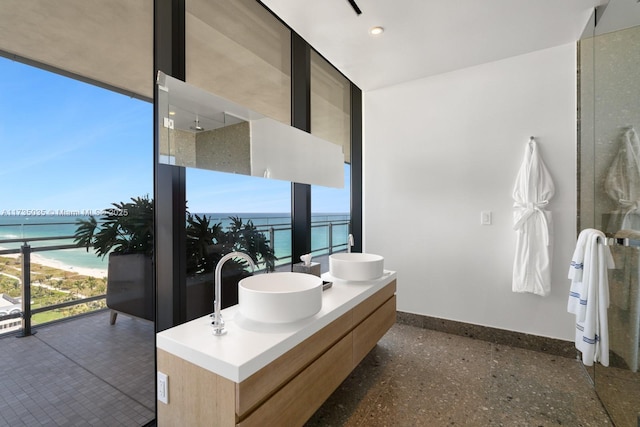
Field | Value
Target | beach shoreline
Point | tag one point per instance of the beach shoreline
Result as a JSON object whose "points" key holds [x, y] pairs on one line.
{"points": [[98, 273], [83, 271]]}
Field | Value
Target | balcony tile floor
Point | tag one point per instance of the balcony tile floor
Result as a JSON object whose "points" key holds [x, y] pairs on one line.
{"points": [[81, 372]]}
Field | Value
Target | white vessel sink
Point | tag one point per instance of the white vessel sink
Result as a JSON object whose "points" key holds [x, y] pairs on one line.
{"points": [[279, 297], [356, 266]]}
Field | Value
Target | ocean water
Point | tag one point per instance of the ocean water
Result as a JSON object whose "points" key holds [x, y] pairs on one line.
{"points": [[57, 226]]}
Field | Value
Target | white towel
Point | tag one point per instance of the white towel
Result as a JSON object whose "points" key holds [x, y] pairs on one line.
{"points": [[576, 271], [592, 335]]}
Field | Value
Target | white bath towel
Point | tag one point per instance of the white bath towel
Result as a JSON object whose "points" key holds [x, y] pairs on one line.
{"points": [[576, 272], [592, 335], [532, 191]]}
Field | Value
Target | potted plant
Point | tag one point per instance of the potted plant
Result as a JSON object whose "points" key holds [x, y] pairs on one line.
{"points": [[125, 234], [206, 244]]}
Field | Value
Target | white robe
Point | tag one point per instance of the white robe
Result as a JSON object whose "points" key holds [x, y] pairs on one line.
{"points": [[622, 184], [532, 190], [589, 296]]}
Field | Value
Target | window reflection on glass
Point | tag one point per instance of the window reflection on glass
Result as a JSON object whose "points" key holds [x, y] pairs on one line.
{"points": [[330, 120], [330, 104], [240, 51], [226, 213], [330, 220]]}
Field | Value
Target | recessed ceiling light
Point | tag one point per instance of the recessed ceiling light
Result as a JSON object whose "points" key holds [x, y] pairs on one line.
{"points": [[376, 31]]}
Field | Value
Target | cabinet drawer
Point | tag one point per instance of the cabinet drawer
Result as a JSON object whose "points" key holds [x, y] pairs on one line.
{"points": [[368, 333], [294, 403], [259, 386], [362, 311]]}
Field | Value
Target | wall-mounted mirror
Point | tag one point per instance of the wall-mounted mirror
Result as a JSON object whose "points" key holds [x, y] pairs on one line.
{"points": [[202, 130]]}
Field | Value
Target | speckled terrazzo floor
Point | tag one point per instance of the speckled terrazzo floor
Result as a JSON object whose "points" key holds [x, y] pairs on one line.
{"points": [[420, 377]]}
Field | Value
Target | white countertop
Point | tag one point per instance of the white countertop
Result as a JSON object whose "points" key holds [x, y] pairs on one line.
{"points": [[248, 346]]}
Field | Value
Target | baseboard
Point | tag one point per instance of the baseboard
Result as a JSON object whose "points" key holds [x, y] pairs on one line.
{"points": [[497, 336]]}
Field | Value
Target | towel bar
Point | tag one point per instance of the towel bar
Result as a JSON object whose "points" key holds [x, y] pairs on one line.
{"points": [[619, 241]]}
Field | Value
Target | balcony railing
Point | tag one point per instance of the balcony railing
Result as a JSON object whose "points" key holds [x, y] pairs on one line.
{"points": [[26, 311], [328, 236]]}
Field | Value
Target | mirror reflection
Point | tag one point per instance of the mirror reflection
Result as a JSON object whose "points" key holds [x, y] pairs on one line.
{"points": [[201, 130]]}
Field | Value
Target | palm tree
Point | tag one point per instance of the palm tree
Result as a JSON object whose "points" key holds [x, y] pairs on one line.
{"points": [[91, 282], [79, 286]]}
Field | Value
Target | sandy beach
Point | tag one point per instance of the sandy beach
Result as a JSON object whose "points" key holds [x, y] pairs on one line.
{"points": [[39, 259], [92, 272]]}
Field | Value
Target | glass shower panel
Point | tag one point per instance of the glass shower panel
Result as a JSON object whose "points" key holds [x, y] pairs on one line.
{"points": [[618, 385], [616, 154], [609, 197], [586, 128], [624, 308]]}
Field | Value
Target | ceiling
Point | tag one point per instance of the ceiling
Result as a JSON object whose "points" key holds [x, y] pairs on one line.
{"points": [[422, 37], [618, 15], [110, 42], [427, 37]]}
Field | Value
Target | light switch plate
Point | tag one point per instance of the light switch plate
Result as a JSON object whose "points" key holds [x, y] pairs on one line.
{"points": [[485, 218], [163, 388]]}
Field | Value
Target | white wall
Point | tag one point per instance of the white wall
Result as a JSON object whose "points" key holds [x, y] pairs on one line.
{"points": [[437, 152]]}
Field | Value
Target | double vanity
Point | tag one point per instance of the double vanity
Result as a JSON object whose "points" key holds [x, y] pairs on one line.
{"points": [[272, 368]]}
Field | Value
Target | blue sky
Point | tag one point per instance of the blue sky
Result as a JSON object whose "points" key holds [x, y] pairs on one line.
{"points": [[68, 145]]}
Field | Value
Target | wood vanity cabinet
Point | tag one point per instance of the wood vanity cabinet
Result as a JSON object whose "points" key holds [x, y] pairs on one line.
{"points": [[287, 391]]}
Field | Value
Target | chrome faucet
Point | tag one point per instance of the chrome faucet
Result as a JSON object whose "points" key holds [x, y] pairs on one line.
{"points": [[218, 323], [350, 243]]}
